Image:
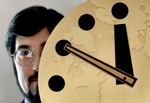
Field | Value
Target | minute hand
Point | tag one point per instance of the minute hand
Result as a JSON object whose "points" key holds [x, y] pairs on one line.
{"points": [[115, 72]]}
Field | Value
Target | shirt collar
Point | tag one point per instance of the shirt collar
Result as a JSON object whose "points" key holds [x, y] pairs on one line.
{"points": [[26, 100]]}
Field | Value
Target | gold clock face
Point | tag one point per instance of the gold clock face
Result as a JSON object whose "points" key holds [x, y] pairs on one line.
{"points": [[99, 53]]}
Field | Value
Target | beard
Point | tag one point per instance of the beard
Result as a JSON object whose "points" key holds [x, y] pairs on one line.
{"points": [[30, 96], [34, 98], [33, 83]]}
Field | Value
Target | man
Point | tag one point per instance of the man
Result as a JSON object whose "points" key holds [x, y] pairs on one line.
{"points": [[27, 34]]}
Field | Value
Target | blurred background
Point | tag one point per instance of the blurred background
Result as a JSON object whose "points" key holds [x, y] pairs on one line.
{"points": [[9, 91]]}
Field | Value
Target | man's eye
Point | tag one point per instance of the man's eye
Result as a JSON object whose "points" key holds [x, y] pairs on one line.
{"points": [[26, 53]]}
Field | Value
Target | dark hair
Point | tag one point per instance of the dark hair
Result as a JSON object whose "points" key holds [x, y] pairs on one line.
{"points": [[30, 21]]}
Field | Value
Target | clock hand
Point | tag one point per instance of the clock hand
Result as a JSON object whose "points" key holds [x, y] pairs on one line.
{"points": [[117, 73]]}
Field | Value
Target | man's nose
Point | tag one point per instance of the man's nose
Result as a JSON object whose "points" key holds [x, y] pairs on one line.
{"points": [[36, 63]]}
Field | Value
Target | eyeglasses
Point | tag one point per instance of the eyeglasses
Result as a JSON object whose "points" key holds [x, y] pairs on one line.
{"points": [[24, 56]]}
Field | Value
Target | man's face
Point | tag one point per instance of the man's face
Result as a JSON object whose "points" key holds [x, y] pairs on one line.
{"points": [[27, 74]]}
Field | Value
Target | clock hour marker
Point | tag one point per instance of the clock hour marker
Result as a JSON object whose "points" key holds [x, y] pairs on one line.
{"points": [[120, 10], [59, 47], [86, 22], [56, 83]]}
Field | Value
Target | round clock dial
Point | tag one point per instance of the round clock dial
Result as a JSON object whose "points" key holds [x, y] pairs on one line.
{"points": [[99, 53]]}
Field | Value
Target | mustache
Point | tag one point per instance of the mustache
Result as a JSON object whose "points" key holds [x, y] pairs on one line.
{"points": [[32, 77]]}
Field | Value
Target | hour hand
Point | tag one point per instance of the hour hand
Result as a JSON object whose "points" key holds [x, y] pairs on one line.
{"points": [[115, 72]]}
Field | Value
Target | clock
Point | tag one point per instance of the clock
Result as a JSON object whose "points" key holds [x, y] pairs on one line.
{"points": [[98, 53]]}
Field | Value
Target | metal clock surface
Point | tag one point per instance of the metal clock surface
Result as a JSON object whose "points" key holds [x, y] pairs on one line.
{"points": [[95, 44]]}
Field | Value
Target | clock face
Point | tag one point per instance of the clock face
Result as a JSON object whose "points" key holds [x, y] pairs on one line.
{"points": [[99, 53]]}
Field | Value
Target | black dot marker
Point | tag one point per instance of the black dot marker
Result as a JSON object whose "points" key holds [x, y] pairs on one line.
{"points": [[86, 22], [56, 83], [120, 10], [60, 47]]}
